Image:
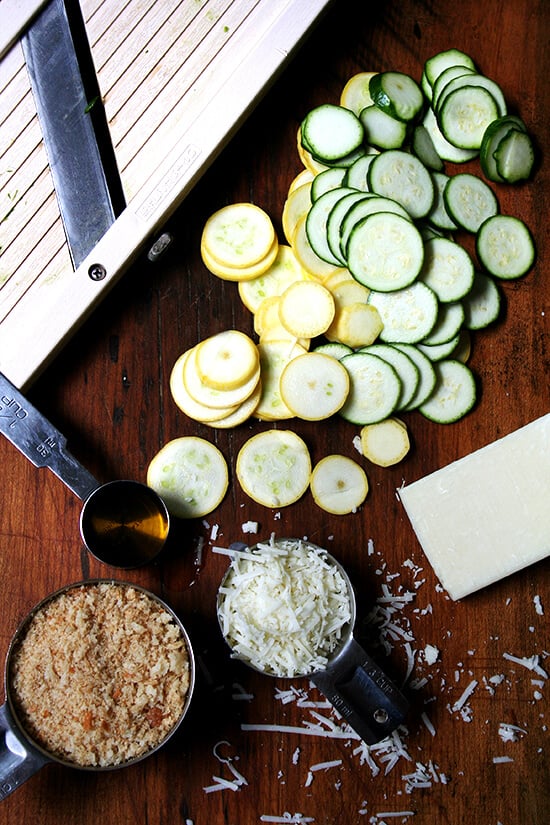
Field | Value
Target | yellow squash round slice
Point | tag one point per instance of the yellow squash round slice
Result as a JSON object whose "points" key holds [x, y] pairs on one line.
{"points": [[187, 404], [283, 271], [274, 467], [226, 360], [274, 356], [240, 414], [314, 386], [243, 273], [385, 443], [210, 397], [190, 474], [338, 484], [306, 309], [296, 206], [238, 235]]}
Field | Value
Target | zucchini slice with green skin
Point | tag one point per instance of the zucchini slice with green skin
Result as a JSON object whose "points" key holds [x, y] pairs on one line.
{"points": [[515, 156], [437, 352], [334, 222], [445, 77], [381, 129], [505, 247], [482, 304], [464, 115], [438, 215], [437, 64], [406, 369], [332, 178], [424, 149], [374, 389], [444, 149], [404, 178], [396, 94], [469, 201], [356, 175], [408, 315], [362, 210], [448, 269], [450, 318], [454, 394], [316, 222], [473, 81], [331, 132], [335, 349], [426, 374], [494, 133], [385, 252]]}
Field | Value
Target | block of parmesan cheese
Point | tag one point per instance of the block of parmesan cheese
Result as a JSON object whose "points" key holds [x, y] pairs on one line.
{"points": [[486, 515]]}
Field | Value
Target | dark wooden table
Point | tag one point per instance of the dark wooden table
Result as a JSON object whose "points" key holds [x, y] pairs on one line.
{"points": [[108, 392]]}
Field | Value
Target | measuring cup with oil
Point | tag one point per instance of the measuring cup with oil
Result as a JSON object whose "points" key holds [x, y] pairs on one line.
{"points": [[123, 523]]}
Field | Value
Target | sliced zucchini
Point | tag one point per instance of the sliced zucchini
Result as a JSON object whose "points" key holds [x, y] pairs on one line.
{"points": [[316, 222], [362, 210], [334, 348], [442, 146], [469, 201], [438, 215], [505, 247], [515, 156], [356, 175], [473, 81], [385, 252], [450, 318], [482, 304], [493, 135], [335, 219], [437, 352], [381, 129], [331, 132], [445, 77], [454, 394], [406, 369], [426, 374], [464, 115], [332, 178], [448, 269], [424, 149], [404, 178], [374, 389], [408, 315], [437, 64], [396, 94]]}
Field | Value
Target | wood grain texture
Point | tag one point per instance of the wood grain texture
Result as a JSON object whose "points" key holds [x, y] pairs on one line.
{"points": [[108, 392]]}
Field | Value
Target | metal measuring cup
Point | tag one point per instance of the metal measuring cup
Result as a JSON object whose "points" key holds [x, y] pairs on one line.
{"points": [[20, 755], [352, 682], [122, 523]]}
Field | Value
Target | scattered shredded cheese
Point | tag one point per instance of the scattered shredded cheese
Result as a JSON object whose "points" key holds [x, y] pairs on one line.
{"points": [[461, 701], [510, 733], [431, 654]]}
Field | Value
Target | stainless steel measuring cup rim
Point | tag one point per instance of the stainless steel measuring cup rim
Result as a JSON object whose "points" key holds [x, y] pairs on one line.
{"points": [[36, 753]]}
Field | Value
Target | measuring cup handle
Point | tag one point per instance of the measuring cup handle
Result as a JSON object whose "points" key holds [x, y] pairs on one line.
{"points": [[40, 441], [18, 759], [362, 693]]}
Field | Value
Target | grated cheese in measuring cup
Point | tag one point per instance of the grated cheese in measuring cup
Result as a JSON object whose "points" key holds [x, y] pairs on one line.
{"points": [[282, 607]]}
